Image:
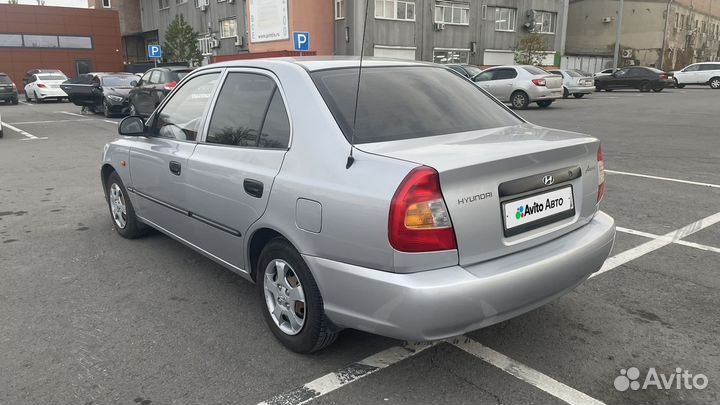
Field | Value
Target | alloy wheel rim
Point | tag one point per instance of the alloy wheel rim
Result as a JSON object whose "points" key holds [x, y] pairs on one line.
{"points": [[284, 296], [519, 100], [117, 206], [716, 83]]}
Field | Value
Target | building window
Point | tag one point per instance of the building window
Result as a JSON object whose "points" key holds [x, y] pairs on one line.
{"points": [[505, 19], [106, 4], [395, 10], [228, 28], [339, 9], [40, 41], [75, 42], [164, 4], [452, 13], [205, 45], [444, 56], [545, 22], [11, 40], [178, 2]]}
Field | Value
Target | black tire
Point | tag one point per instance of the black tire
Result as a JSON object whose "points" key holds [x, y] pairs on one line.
{"points": [[599, 88], [579, 95], [1, 132], [645, 86], [715, 83], [317, 331], [519, 100], [566, 93], [608, 89], [106, 110], [27, 97], [545, 103], [14, 101], [38, 99], [678, 85], [133, 227], [657, 89]]}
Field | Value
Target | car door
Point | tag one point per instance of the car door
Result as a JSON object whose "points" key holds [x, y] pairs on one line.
{"points": [[158, 162], [707, 71], [501, 85], [138, 95], [232, 171], [620, 79], [690, 75]]}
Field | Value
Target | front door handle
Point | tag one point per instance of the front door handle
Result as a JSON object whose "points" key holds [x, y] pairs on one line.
{"points": [[253, 187], [175, 167]]}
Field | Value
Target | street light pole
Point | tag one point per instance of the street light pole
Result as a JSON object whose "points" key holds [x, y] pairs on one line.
{"points": [[618, 34]]}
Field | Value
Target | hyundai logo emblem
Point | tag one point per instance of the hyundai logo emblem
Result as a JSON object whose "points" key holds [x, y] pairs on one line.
{"points": [[548, 180]]}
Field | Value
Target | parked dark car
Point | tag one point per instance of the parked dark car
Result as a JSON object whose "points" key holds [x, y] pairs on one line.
{"points": [[468, 71], [154, 85], [8, 90], [636, 77], [101, 92]]}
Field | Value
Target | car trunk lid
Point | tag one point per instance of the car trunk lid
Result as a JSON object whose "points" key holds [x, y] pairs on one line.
{"points": [[482, 170]]}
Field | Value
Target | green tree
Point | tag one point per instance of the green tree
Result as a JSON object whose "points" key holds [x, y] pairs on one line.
{"points": [[181, 43], [530, 50]]}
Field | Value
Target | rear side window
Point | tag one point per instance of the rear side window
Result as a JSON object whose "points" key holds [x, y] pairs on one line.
{"points": [[5, 79], [710, 66], [249, 112], [176, 76], [407, 102]]}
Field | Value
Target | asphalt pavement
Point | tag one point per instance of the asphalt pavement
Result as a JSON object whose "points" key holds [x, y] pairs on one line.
{"points": [[87, 317]]}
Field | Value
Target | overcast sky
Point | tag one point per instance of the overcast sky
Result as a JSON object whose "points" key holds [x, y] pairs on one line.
{"points": [[64, 3]]}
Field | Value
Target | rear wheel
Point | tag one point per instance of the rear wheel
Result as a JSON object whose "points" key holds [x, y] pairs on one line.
{"points": [[566, 93], [37, 98], [715, 83], [519, 100], [645, 86], [578, 95], [544, 103], [293, 304], [14, 101], [27, 97], [122, 211]]}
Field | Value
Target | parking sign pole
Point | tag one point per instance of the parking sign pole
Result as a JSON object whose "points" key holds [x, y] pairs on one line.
{"points": [[618, 34]]}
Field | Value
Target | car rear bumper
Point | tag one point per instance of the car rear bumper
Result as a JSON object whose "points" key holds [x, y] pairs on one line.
{"points": [[8, 95], [538, 93], [450, 301], [581, 89]]}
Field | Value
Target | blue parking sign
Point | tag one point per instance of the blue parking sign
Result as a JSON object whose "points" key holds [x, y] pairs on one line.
{"points": [[301, 41], [154, 51]]}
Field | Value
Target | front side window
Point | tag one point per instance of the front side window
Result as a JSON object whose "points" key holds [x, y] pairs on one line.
{"points": [[452, 13], [692, 68], [249, 112], [155, 77], [146, 77], [118, 81], [339, 9], [396, 103], [395, 9], [181, 116], [505, 19], [484, 76], [545, 22], [228, 28]]}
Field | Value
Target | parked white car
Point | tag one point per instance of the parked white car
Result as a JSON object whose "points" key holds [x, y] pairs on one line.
{"points": [[575, 82], [705, 73], [43, 86]]}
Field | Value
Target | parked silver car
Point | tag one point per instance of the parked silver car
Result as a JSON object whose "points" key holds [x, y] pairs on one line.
{"points": [[427, 212], [575, 82], [520, 85]]}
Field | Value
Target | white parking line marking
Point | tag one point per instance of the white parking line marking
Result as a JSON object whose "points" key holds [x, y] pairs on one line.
{"points": [[48, 122], [524, 373], [679, 242], [664, 240], [112, 122], [22, 102], [69, 113], [28, 136], [346, 375], [664, 178]]}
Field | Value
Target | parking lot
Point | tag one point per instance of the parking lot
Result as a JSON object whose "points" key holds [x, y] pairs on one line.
{"points": [[87, 317]]}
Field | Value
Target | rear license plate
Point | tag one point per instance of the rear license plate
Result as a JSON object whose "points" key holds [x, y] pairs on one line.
{"points": [[526, 213]]}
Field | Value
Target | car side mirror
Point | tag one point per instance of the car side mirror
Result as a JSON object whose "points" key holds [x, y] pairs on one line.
{"points": [[132, 126], [134, 83]]}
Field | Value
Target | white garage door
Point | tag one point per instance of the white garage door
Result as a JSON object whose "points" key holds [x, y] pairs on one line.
{"points": [[499, 57], [395, 52]]}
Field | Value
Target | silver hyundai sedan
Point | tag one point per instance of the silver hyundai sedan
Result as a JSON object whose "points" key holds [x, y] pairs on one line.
{"points": [[418, 207]]}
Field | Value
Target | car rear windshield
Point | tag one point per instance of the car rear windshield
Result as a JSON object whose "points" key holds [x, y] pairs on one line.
{"points": [[534, 70], [46, 77], [396, 103], [573, 73], [4, 79], [118, 81]]}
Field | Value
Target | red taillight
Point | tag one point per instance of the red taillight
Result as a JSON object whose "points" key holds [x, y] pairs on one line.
{"points": [[601, 174], [663, 77], [42, 86], [539, 82], [419, 220], [170, 86]]}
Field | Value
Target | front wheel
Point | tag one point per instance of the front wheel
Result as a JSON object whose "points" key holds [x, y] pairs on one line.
{"points": [[544, 103], [293, 304], [566, 93], [14, 101], [519, 100], [658, 89], [106, 110], [715, 83], [578, 95], [678, 85], [122, 211], [27, 97]]}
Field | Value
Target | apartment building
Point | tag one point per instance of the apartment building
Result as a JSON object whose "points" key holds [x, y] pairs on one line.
{"points": [[665, 33], [480, 32], [134, 40]]}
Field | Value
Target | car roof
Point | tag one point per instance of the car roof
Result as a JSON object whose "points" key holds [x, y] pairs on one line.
{"points": [[314, 63]]}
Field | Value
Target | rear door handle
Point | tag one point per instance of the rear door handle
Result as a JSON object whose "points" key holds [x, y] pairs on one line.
{"points": [[253, 187], [175, 167]]}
